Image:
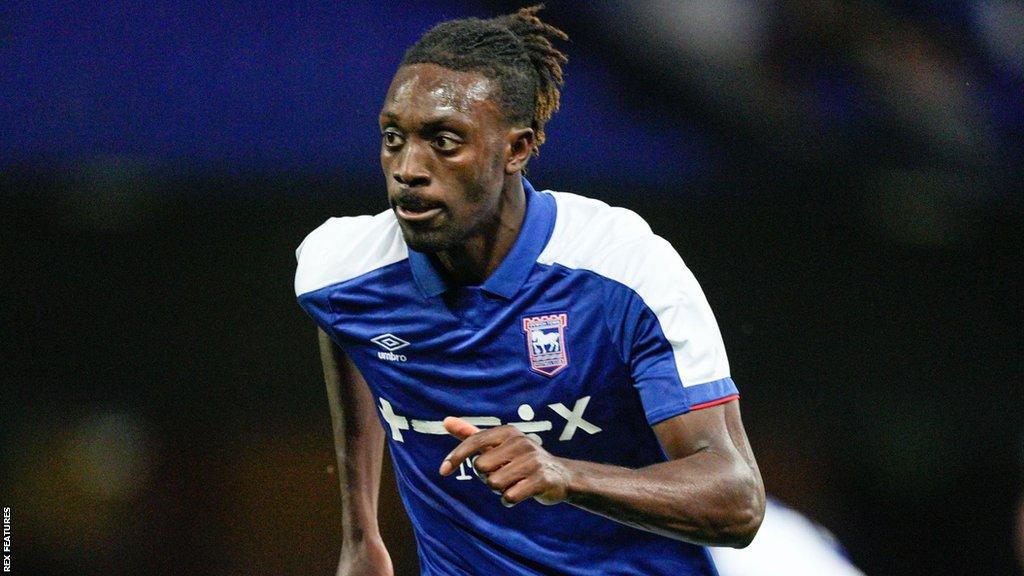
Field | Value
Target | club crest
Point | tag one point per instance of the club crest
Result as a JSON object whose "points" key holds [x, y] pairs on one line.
{"points": [[545, 342]]}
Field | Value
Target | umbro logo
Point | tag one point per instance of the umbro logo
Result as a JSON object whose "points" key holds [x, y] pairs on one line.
{"points": [[390, 343]]}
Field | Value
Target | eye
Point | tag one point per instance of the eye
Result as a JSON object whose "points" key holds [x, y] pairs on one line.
{"points": [[392, 138], [445, 143]]}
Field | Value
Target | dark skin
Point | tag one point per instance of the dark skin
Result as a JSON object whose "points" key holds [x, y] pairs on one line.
{"points": [[359, 447], [453, 167], [709, 493]]}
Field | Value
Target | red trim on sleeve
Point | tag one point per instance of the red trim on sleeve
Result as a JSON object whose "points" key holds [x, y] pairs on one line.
{"points": [[729, 398]]}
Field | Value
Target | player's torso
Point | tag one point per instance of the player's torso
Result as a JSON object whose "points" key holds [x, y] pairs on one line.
{"points": [[543, 362], [547, 345]]}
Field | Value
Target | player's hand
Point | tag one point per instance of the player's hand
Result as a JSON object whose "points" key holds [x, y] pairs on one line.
{"points": [[509, 462], [367, 558]]}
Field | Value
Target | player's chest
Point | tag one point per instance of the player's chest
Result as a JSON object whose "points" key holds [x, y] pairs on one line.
{"points": [[478, 338], [531, 359]]}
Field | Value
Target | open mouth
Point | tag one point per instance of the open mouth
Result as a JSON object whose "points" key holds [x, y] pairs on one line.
{"points": [[416, 212], [412, 207]]}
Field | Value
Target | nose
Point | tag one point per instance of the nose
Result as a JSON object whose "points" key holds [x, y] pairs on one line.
{"points": [[409, 167]]}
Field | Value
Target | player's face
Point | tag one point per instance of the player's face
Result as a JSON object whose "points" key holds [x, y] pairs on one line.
{"points": [[443, 151]]}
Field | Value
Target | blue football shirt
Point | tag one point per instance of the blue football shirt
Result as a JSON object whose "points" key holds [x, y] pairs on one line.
{"points": [[590, 331]]}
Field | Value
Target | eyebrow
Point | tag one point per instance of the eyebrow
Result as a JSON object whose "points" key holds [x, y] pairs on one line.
{"points": [[434, 123]]}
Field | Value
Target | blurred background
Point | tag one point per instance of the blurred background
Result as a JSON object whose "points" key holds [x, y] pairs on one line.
{"points": [[844, 178]]}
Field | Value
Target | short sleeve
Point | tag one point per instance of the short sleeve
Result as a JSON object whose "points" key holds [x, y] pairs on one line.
{"points": [[345, 248], [659, 320], [675, 352]]}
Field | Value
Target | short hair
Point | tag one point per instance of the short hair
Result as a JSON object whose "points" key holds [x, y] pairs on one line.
{"points": [[514, 50]]}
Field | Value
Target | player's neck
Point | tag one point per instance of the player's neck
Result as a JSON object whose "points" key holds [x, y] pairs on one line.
{"points": [[474, 261]]}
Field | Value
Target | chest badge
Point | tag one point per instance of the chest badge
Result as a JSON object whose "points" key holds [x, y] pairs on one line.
{"points": [[545, 342]]}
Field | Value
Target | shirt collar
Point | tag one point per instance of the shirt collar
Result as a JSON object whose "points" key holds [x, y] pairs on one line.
{"points": [[538, 223]]}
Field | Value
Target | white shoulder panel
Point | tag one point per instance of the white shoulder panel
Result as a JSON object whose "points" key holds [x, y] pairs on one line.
{"points": [[618, 244], [344, 248]]}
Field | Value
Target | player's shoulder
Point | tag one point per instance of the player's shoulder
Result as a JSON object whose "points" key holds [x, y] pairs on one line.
{"points": [[580, 215], [347, 247], [593, 235]]}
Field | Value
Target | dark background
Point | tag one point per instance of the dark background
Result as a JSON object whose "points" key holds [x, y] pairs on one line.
{"points": [[843, 178]]}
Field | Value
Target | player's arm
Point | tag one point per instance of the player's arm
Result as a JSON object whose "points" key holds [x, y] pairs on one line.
{"points": [[709, 493], [359, 447]]}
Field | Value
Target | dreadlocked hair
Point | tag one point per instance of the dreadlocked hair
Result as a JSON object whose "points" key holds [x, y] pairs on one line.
{"points": [[514, 50]]}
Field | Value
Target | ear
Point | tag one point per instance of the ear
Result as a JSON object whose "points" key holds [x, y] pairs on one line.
{"points": [[519, 150]]}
